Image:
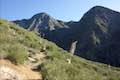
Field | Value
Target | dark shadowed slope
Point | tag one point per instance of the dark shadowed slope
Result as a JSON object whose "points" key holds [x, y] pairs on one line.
{"points": [[97, 35]]}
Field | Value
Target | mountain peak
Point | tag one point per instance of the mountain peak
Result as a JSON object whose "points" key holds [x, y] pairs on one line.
{"points": [[43, 14], [100, 9]]}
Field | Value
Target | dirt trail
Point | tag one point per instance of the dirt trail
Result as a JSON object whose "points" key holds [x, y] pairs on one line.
{"points": [[17, 72]]}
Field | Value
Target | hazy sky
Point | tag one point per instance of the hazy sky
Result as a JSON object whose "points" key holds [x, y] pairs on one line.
{"points": [[65, 10]]}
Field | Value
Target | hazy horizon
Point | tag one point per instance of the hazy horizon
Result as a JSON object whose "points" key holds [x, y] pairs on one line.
{"points": [[65, 10]]}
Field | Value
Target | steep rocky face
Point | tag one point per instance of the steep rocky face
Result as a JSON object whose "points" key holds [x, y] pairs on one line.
{"points": [[97, 33]]}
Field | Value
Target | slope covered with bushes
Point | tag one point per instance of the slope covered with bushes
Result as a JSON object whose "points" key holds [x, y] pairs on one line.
{"points": [[14, 45]]}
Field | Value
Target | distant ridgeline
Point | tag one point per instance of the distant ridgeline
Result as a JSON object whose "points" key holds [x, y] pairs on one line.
{"points": [[97, 33]]}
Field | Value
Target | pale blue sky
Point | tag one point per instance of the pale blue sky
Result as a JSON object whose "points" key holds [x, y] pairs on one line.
{"points": [[65, 10]]}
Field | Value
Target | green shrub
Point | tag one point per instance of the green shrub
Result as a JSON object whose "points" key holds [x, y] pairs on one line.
{"points": [[16, 53]]}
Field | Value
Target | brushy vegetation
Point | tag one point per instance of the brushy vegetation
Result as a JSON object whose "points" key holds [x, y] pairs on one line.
{"points": [[14, 42], [57, 68], [16, 53]]}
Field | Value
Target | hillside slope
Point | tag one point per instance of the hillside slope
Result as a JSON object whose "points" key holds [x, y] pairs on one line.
{"points": [[23, 47]]}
